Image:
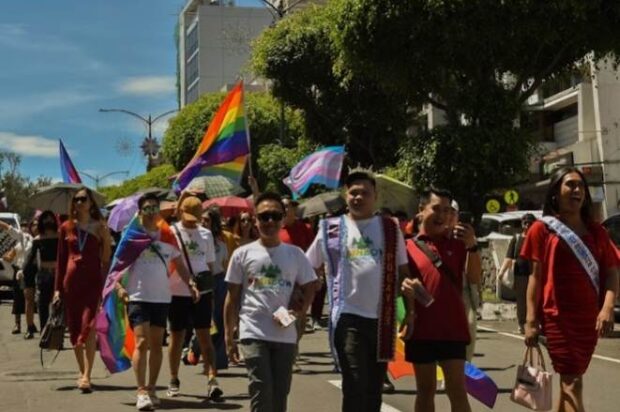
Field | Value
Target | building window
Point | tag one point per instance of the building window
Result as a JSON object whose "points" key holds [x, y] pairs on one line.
{"points": [[191, 41], [191, 71]]}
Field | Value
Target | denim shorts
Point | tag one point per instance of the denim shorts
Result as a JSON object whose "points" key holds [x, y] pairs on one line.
{"points": [[154, 314]]}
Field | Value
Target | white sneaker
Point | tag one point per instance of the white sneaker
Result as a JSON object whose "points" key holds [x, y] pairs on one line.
{"points": [[144, 403]]}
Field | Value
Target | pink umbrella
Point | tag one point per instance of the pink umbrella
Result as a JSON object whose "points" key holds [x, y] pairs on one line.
{"points": [[230, 205]]}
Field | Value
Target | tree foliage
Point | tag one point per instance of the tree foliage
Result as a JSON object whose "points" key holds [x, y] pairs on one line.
{"points": [[263, 114], [16, 187], [275, 162], [340, 106], [157, 177]]}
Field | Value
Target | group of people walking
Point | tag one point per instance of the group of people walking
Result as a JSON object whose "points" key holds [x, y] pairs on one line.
{"points": [[246, 295]]}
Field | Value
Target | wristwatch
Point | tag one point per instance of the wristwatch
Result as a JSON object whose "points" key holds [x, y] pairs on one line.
{"points": [[472, 249]]}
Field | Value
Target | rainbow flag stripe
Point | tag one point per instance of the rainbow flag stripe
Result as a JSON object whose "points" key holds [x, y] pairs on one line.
{"points": [[68, 171], [232, 170], [226, 141]]}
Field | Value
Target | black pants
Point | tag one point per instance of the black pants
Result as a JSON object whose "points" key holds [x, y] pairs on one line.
{"points": [[520, 288], [45, 288], [362, 375]]}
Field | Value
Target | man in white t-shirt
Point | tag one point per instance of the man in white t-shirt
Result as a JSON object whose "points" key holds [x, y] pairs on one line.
{"points": [[196, 244], [359, 299], [147, 293], [261, 277]]}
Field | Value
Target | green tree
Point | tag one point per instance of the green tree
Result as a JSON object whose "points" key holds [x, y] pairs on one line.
{"points": [[157, 177], [478, 61], [275, 162], [16, 187], [263, 114], [340, 106]]}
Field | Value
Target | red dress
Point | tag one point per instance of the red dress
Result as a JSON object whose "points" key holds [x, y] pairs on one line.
{"points": [[79, 280], [569, 305]]}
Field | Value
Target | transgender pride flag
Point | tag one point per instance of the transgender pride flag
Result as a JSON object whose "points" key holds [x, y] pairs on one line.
{"points": [[321, 167], [68, 171]]}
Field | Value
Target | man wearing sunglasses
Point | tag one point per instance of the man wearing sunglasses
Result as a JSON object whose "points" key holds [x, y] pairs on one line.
{"points": [[365, 254], [261, 277]]}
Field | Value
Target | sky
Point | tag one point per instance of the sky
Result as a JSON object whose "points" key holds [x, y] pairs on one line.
{"points": [[63, 60]]}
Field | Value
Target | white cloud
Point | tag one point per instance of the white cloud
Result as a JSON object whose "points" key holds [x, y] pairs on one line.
{"points": [[148, 85], [17, 36], [27, 106], [25, 145]]}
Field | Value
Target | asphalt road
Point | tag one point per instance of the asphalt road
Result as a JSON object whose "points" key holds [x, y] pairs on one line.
{"points": [[25, 386]]}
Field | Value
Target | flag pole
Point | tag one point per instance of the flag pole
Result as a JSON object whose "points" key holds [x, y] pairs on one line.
{"points": [[247, 128]]}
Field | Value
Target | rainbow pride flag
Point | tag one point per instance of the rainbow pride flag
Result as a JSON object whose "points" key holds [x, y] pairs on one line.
{"points": [[225, 145], [69, 172], [116, 339]]}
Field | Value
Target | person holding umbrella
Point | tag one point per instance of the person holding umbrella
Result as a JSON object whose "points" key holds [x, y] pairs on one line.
{"points": [[83, 259]]}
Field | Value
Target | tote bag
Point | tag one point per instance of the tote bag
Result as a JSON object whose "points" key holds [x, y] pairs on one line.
{"points": [[533, 383]]}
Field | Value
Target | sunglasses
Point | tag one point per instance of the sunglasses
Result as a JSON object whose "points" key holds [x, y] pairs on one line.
{"points": [[246, 220], [150, 210], [80, 199], [267, 216]]}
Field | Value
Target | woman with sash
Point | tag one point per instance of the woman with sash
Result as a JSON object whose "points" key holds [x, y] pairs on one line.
{"points": [[573, 284], [84, 248]]}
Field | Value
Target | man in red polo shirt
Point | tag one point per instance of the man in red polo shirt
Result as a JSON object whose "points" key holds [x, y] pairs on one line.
{"points": [[440, 333], [293, 230]]}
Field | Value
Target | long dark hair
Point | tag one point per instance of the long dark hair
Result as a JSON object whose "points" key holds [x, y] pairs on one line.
{"points": [[47, 214], [216, 221], [551, 206]]}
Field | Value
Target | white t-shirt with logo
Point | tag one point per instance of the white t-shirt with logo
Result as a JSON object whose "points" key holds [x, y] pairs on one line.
{"points": [[267, 276], [199, 245], [365, 248], [148, 276]]}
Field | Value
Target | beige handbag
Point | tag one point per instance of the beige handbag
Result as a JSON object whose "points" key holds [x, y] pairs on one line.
{"points": [[533, 383]]}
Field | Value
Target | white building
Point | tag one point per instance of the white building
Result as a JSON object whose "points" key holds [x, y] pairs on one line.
{"points": [[577, 121], [214, 45], [578, 124]]}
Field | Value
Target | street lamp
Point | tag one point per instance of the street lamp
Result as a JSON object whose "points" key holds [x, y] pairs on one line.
{"points": [[99, 178], [149, 146]]}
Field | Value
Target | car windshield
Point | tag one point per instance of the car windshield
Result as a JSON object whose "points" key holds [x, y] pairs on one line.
{"points": [[9, 221]]}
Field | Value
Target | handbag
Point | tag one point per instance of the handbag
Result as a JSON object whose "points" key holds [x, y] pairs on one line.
{"points": [[204, 280], [533, 384], [53, 333]]}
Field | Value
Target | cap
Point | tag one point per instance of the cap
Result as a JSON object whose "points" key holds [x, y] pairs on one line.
{"points": [[191, 209]]}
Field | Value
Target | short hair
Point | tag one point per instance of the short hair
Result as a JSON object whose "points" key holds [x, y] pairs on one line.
{"points": [[528, 218], [265, 196], [360, 175], [146, 197], [425, 196]]}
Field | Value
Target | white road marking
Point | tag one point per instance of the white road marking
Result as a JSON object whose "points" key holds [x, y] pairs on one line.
{"points": [[384, 406], [519, 337]]}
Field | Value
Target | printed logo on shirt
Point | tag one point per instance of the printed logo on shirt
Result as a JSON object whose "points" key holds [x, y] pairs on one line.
{"points": [[269, 277], [363, 248]]}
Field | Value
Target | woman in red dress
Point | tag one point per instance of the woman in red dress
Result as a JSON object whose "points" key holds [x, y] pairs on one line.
{"points": [[83, 258], [562, 299]]}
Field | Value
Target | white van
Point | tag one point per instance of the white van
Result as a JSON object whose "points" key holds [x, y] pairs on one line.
{"points": [[6, 271]]}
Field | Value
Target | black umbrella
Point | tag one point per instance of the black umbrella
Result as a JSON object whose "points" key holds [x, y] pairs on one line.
{"points": [[329, 202], [57, 197]]}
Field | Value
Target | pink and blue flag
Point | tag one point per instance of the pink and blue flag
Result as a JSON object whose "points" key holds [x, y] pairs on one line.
{"points": [[321, 167], [116, 339], [69, 172]]}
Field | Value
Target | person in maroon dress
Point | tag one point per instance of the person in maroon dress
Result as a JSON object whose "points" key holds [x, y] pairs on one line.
{"points": [[83, 257], [562, 299]]}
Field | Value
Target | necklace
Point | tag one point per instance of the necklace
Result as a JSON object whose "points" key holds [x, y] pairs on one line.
{"points": [[82, 239]]}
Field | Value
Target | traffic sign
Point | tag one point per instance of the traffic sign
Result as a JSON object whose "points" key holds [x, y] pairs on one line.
{"points": [[493, 206], [511, 197]]}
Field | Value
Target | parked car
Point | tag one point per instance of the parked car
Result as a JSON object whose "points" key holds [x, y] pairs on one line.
{"points": [[6, 271], [612, 224], [496, 222]]}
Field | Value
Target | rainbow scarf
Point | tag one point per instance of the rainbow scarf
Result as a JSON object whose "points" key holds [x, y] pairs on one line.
{"points": [[69, 172], [225, 145], [116, 339]]}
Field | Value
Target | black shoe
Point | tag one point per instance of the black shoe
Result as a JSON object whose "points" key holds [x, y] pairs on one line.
{"points": [[16, 330], [30, 333]]}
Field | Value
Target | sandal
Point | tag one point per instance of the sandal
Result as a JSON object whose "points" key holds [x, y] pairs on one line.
{"points": [[84, 386]]}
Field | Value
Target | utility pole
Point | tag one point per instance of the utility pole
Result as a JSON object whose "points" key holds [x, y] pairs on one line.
{"points": [[150, 146]]}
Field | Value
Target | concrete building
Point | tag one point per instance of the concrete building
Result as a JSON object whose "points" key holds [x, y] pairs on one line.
{"points": [[577, 122], [214, 45]]}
